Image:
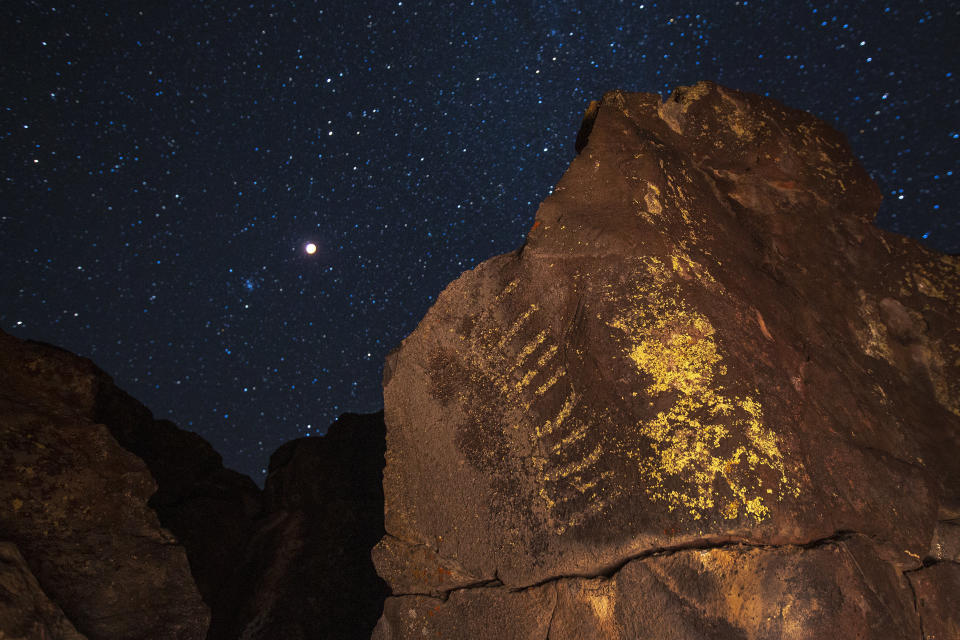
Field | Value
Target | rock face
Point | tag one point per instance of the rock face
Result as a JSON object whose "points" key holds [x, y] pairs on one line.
{"points": [[308, 572], [707, 398], [25, 610], [75, 505]]}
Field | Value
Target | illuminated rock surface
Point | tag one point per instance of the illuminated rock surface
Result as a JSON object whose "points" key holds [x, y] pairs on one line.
{"points": [[707, 391]]}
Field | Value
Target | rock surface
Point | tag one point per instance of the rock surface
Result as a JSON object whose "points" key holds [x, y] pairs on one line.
{"points": [[937, 592], [706, 386], [75, 505], [25, 611], [736, 591]]}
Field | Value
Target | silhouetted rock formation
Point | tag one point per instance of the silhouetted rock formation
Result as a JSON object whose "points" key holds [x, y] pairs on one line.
{"points": [[107, 505], [309, 573], [209, 509], [707, 398]]}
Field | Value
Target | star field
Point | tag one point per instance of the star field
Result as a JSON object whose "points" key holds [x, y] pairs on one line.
{"points": [[165, 165]]}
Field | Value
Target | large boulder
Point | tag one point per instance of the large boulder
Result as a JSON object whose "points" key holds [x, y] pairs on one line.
{"points": [[132, 528], [838, 588], [705, 362], [211, 510]]}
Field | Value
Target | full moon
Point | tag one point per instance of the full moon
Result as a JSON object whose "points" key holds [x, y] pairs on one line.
{"points": [[310, 248]]}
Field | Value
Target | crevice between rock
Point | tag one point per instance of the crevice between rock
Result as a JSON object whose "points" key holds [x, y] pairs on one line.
{"points": [[553, 613], [612, 569], [700, 545], [916, 603]]}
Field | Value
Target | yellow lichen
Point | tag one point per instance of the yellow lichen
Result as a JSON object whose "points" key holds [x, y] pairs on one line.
{"points": [[705, 451], [651, 199], [708, 440], [872, 335]]}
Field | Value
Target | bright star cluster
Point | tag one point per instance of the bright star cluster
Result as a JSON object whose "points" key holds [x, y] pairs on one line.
{"points": [[237, 210]]}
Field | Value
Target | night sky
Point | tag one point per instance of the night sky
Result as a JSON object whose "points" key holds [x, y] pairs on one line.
{"points": [[165, 165]]}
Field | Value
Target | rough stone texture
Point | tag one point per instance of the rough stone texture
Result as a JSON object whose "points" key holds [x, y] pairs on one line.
{"points": [[25, 611], [75, 505], [937, 591], [946, 542], [703, 341], [208, 508], [94, 488], [837, 588], [308, 572], [489, 612]]}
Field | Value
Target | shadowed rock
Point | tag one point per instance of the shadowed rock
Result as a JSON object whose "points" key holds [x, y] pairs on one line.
{"points": [[75, 505], [703, 342], [308, 572], [210, 509], [25, 611], [937, 592], [108, 504]]}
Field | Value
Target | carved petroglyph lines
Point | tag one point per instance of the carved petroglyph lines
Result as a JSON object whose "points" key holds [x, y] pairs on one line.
{"points": [[510, 288], [583, 486], [564, 413], [552, 380], [576, 466], [517, 325], [530, 347], [577, 434], [592, 508], [527, 378], [549, 353], [520, 357], [570, 481]]}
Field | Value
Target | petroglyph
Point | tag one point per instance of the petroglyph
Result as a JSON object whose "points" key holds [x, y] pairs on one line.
{"points": [[519, 358], [707, 452]]}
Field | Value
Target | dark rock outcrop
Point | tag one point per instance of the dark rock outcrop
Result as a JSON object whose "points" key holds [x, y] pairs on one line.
{"points": [[75, 505], [308, 573], [707, 398], [108, 505], [937, 592]]}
